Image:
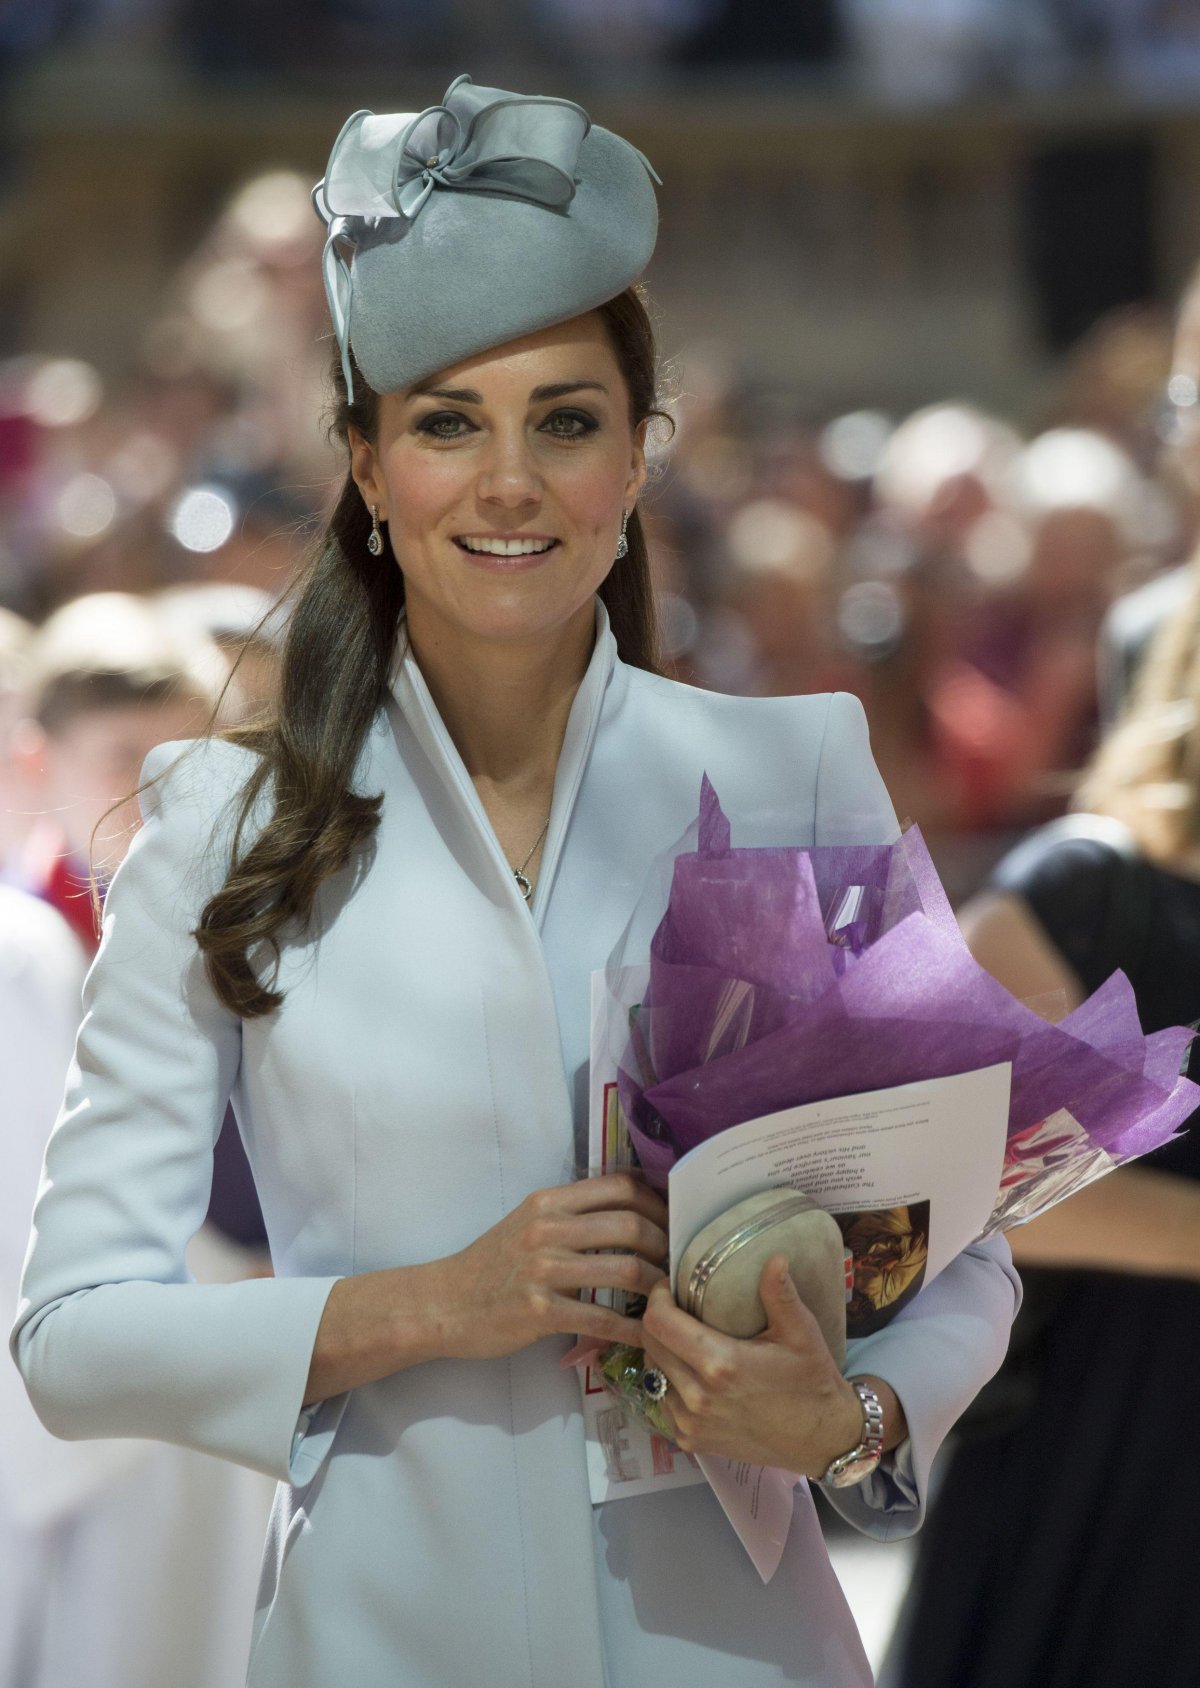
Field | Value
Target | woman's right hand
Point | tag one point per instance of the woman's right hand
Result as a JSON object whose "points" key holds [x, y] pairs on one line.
{"points": [[516, 1283], [521, 1280]]}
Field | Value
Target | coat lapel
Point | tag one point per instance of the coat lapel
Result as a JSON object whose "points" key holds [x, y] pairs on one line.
{"points": [[412, 697]]}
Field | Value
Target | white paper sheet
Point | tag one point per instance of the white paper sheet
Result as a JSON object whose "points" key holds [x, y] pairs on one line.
{"points": [[941, 1142]]}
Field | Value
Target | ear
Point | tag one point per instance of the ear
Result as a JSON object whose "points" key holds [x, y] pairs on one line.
{"points": [[637, 475], [364, 467]]}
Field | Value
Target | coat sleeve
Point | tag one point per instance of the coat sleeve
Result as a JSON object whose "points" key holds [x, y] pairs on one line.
{"points": [[112, 1336], [937, 1354], [941, 1349]]}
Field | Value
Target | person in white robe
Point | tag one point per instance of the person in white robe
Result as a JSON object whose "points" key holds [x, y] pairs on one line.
{"points": [[123, 1563]]}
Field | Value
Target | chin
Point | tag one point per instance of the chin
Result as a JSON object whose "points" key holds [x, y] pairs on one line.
{"points": [[515, 616], [518, 625]]}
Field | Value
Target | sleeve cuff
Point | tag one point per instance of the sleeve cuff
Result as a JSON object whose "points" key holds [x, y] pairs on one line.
{"points": [[313, 1437], [221, 1368], [937, 1354]]}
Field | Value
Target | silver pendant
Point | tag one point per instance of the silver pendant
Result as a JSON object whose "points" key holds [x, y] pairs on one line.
{"points": [[523, 885]]}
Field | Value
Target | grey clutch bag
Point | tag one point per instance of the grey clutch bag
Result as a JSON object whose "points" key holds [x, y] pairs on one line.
{"points": [[721, 1266]]}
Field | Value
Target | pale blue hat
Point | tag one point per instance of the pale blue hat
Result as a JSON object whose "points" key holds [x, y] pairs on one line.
{"points": [[473, 222]]}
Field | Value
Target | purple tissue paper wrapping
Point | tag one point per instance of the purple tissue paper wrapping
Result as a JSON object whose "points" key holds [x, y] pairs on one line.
{"points": [[780, 976]]}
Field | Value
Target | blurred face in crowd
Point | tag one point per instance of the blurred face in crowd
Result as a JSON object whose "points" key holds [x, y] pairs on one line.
{"points": [[91, 761], [502, 481]]}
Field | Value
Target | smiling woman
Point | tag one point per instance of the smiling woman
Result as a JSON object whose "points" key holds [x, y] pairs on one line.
{"points": [[370, 923], [477, 631], [504, 512]]}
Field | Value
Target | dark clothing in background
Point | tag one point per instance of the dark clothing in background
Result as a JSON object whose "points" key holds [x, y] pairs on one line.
{"points": [[1105, 907], [1086, 240], [1060, 1552], [767, 32]]}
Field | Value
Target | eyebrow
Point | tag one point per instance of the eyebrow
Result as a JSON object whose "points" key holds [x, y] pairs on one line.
{"points": [[468, 395]]}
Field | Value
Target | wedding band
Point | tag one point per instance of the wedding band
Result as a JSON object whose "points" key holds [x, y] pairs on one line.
{"points": [[655, 1383]]}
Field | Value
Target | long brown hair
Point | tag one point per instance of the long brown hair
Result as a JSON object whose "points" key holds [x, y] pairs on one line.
{"points": [[336, 662]]}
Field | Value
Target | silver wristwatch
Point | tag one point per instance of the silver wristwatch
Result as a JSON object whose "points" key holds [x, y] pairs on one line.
{"points": [[858, 1464]]}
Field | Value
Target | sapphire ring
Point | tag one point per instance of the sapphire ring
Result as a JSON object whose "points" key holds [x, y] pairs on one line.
{"points": [[655, 1383]]}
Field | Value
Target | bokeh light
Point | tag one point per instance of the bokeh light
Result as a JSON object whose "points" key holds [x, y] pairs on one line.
{"points": [[63, 392], [86, 506], [202, 518]]}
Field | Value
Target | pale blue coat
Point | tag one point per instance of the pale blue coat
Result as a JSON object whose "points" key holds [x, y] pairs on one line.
{"points": [[425, 1073]]}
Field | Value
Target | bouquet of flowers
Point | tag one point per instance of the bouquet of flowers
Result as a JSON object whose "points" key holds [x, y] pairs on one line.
{"points": [[780, 977]]}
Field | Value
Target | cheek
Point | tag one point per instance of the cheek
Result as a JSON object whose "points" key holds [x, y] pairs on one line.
{"points": [[418, 486], [594, 493]]}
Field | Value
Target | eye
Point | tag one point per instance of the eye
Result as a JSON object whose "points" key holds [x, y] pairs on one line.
{"points": [[570, 424], [443, 424]]}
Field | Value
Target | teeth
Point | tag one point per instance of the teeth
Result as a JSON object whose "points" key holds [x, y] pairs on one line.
{"points": [[507, 547]]}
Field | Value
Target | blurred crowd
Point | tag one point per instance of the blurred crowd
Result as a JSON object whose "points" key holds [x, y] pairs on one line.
{"points": [[953, 568], [905, 49]]}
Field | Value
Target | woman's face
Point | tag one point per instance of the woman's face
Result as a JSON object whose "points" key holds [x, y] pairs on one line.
{"points": [[502, 482]]}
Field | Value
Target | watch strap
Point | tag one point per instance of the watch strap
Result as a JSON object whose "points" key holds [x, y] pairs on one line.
{"points": [[858, 1464]]}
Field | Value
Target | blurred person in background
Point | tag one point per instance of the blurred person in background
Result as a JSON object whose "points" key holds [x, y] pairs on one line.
{"points": [[125, 1564], [1015, 709], [1135, 618], [782, 588], [246, 625], [1060, 1547], [107, 678], [241, 328], [45, 1485], [198, 462], [998, 560], [911, 602], [15, 635], [941, 470]]}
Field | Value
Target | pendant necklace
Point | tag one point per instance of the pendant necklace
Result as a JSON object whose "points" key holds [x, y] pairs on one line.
{"points": [[523, 884]]}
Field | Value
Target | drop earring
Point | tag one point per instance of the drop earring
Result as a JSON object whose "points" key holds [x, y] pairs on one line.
{"points": [[623, 542], [375, 542]]}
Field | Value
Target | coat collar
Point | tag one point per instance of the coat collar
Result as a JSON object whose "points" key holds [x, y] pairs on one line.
{"points": [[412, 696]]}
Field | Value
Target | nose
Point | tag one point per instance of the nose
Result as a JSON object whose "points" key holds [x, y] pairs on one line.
{"points": [[508, 476]]}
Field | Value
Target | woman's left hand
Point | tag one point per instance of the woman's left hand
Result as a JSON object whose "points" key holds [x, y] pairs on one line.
{"points": [[776, 1399]]}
